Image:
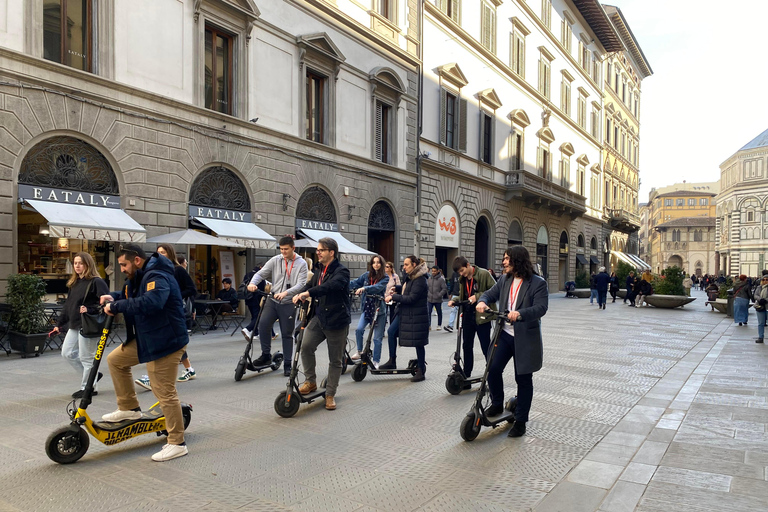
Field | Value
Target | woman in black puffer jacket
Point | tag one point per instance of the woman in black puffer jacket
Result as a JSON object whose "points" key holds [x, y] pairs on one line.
{"points": [[413, 311]]}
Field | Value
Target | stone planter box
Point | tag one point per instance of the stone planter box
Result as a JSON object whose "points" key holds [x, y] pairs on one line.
{"points": [[27, 344], [668, 301], [719, 305], [622, 293], [582, 293]]}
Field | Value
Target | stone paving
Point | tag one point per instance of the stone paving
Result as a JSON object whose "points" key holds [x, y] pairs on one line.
{"points": [[635, 409]]}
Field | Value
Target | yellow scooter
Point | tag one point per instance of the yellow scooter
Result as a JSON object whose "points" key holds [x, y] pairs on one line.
{"points": [[68, 444]]}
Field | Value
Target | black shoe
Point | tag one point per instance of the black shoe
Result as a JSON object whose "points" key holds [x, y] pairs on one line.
{"points": [[494, 410], [759, 340], [389, 365], [262, 360], [418, 376], [80, 392], [212, 328], [287, 372], [448, 328], [740, 324], [517, 430]]}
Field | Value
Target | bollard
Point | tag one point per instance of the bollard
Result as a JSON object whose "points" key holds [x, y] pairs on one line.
{"points": [[729, 308]]}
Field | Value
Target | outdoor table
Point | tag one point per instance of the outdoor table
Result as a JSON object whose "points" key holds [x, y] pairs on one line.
{"points": [[5, 320], [215, 307], [52, 312]]}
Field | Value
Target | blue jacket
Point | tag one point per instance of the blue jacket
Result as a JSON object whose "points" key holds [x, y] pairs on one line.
{"points": [[375, 289], [601, 281], [154, 309]]}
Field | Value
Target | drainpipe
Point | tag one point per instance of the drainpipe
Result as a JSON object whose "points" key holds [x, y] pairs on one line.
{"points": [[420, 103]]}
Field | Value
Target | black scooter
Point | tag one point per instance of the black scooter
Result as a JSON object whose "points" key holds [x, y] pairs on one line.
{"points": [[287, 402], [365, 364], [476, 417], [246, 360], [457, 380]]}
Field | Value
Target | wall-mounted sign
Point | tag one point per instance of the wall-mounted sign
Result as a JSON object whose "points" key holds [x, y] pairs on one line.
{"points": [[447, 227], [217, 213], [107, 235], [227, 259], [252, 244], [314, 224], [60, 195]]}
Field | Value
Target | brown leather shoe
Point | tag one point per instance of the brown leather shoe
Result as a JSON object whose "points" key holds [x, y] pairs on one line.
{"points": [[307, 387], [330, 403]]}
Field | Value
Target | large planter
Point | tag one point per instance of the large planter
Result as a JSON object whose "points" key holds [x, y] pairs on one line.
{"points": [[622, 293], [582, 293], [27, 344], [719, 305], [668, 301]]}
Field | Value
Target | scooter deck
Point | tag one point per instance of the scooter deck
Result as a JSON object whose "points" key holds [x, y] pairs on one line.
{"points": [[314, 395], [400, 371], [149, 416], [507, 416]]}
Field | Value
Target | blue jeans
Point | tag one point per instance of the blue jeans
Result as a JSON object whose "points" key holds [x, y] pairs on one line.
{"points": [[601, 296], [378, 334], [452, 317], [761, 318], [505, 351], [79, 352], [592, 295]]}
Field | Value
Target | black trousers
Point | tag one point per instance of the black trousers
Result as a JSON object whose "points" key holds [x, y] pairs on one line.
{"points": [[505, 351], [287, 315], [254, 307], [469, 329]]}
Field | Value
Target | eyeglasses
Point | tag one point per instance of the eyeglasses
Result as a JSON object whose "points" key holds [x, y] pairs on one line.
{"points": [[322, 250]]}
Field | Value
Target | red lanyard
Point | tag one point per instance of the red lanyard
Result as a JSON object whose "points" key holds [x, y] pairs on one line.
{"points": [[288, 272], [322, 276], [513, 298], [470, 287], [372, 281]]}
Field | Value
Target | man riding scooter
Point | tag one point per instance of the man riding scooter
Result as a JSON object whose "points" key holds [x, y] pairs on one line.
{"points": [[156, 334]]}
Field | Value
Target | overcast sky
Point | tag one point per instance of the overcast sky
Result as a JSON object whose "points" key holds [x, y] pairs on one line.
{"points": [[707, 96]]}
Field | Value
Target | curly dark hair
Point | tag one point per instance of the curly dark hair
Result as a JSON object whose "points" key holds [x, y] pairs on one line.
{"points": [[519, 262]]}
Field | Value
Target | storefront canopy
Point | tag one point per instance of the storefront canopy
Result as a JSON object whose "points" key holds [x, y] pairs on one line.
{"points": [[594, 260], [246, 234], [191, 237], [631, 259], [638, 262], [88, 222], [345, 246], [581, 259]]}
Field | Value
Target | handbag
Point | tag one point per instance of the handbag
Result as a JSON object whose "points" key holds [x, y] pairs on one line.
{"points": [[189, 306], [91, 324]]}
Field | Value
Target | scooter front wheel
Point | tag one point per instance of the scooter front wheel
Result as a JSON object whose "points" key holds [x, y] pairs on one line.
{"points": [[454, 384], [240, 369], [470, 427], [359, 372], [291, 408], [66, 446]]}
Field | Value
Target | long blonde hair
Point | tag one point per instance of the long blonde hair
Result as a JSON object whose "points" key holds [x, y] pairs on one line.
{"points": [[171, 253], [90, 268]]}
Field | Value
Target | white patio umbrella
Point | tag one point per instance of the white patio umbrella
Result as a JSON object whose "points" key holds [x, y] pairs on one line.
{"points": [[191, 237]]}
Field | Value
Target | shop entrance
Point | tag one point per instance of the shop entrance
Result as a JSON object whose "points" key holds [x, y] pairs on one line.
{"points": [[381, 231], [444, 257], [563, 263], [482, 243]]}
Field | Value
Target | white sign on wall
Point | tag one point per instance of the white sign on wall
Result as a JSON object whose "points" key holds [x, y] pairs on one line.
{"points": [[447, 227], [227, 265]]}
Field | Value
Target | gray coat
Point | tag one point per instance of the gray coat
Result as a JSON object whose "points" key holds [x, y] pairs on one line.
{"points": [[437, 288], [532, 304]]}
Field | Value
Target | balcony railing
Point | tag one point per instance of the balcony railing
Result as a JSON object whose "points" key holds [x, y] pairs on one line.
{"points": [[623, 220], [538, 192]]}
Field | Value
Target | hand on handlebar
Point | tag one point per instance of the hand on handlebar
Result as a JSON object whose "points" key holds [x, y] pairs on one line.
{"points": [[301, 297], [512, 316], [55, 330], [108, 310], [252, 287], [481, 307], [280, 296], [359, 291], [105, 298]]}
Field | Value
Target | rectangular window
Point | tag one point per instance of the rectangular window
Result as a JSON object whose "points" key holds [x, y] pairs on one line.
{"points": [[680, 202], [218, 71], [595, 123], [516, 161], [517, 53], [585, 58], [624, 92], [546, 13], [582, 185], [616, 137], [607, 198], [383, 132], [315, 119], [67, 32], [546, 171], [486, 149], [691, 202], [450, 8], [637, 100], [595, 68], [566, 34], [581, 115], [565, 172], [544, 75], [616, 83], [703, 202], [608, 131], [453, 121], [488, 28], [450, 120], [565, 97], [384, 7]]}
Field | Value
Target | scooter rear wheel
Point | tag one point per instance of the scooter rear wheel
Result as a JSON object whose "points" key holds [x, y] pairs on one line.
{"points": [[469, 427], [240, 369], [289, 410], [454, 384], [65, 446], [359, 372]]}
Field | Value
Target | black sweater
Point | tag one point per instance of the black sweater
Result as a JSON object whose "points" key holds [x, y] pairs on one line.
{"points": [[186, 285], [70, 314]]}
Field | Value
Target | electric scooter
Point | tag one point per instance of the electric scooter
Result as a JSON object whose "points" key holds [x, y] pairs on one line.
{"points": [[68, 444], [246, 360], [457, 380], [287, 402], [476, 417], [365, 364]]}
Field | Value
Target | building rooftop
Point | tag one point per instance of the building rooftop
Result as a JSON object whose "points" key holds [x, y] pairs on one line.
{"points": [[689, 222], [710, 187], [758, 142]]}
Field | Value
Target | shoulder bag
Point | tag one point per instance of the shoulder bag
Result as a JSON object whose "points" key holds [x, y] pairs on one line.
{"points": [[91, 324]]}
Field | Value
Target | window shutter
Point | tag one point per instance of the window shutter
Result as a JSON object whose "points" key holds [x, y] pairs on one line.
{"points": [[443, 109], [377, 132], [486, 28], [442, 5], [539, 165], [462, 125], [454, 10], [492, 135], [481, 151]]}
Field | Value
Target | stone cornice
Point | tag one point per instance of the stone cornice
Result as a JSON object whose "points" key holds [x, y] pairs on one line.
{"points": [[458, 173]]}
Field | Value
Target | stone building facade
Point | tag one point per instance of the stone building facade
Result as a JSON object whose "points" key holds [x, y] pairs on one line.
{"points": [[285, 115], [742, 221]]}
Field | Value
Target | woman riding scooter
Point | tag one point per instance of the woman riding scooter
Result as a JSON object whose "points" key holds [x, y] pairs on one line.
{"points": [[372, 282]]}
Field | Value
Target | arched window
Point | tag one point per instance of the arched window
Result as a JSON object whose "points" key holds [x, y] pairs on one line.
{"points": [[580, 241], [593, 243], [316, 204], [218, 187], [515, 235]]}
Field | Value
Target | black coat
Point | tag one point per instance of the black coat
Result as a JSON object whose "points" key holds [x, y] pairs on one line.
{"points": [[413, 309], [333, 308], [186, 285], [601, 281]]}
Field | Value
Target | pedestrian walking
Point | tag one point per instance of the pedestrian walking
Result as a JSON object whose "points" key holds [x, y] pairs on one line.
{"points": [[628, 284], [156, 334], [85, 287], [372, 282], [329, 289], [474, 282], [741, 296], [394, 280], [602, 280], [761, 304], [252, 302], [687, 285], [437, 290], [526, 297], [613, 286], [412, 319], [593, 289]]}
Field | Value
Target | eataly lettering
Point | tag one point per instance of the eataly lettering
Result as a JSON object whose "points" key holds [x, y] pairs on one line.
{"points": [[219, 214], [93, 200]]}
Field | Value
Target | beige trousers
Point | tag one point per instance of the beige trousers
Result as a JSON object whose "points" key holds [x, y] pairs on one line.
{"points": [[162, 375]]}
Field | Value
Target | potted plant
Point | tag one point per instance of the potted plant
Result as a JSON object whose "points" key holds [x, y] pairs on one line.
{"points": [[582, 284], [622, 271], [27, 327], [668, 290]]}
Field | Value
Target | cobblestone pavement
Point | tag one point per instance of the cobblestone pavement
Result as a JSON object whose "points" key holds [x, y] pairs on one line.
{"points": [[641, 409]]}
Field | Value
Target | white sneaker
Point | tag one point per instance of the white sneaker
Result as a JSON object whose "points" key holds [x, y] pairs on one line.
{"points": [[246, 334], [118, 416], [170, 451], [438, 328], [355, 356], [375, 365]]}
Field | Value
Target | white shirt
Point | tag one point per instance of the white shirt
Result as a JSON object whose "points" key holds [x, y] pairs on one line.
{"points": [[517, 283]]}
